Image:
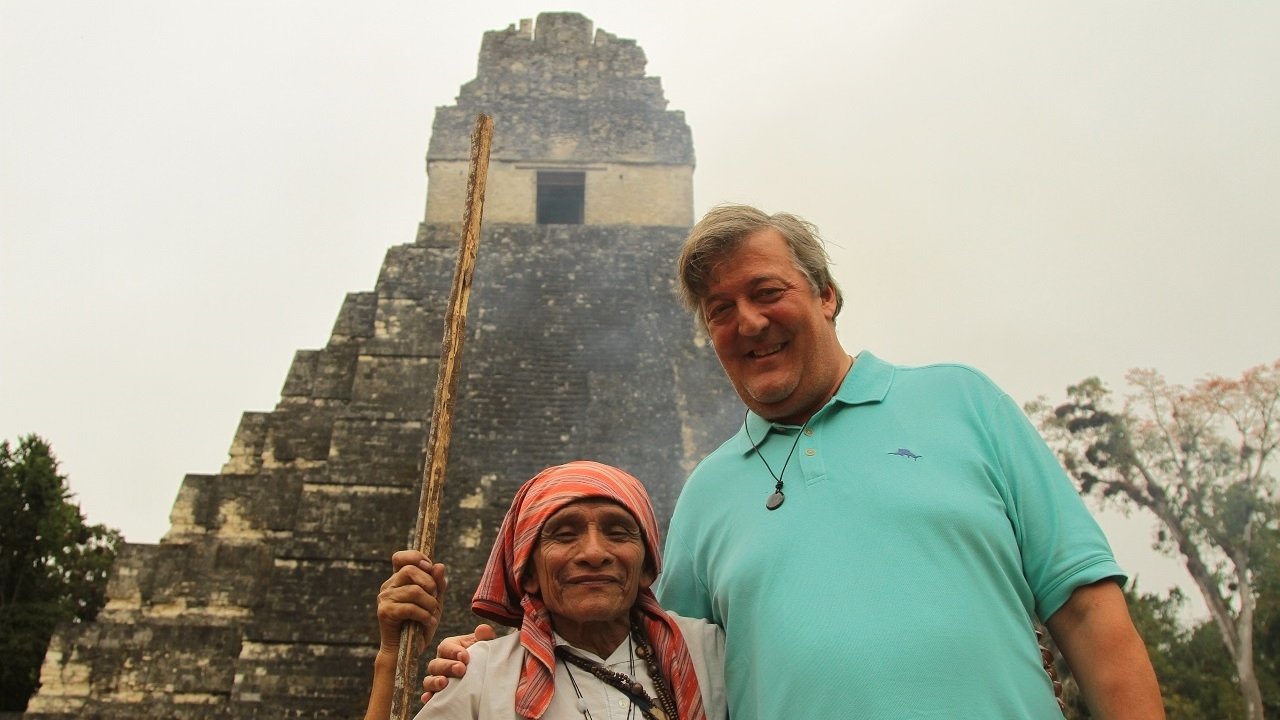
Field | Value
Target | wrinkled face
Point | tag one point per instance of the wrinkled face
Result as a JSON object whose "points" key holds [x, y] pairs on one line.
{"points": [[589, 564], [773, 334]]}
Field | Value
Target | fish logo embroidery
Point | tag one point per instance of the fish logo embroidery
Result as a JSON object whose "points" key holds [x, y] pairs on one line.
{"points": [[903, 452]]}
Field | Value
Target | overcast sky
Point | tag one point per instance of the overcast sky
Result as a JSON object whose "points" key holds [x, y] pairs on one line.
{"points": [[1046, 191]]}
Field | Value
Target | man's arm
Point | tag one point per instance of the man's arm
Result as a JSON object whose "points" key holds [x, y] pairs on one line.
{"points": [[411, 594], [1108, 658]]}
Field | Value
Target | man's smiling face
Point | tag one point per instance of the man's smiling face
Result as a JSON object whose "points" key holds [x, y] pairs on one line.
{"points": [[773, 334], [589, 566]]}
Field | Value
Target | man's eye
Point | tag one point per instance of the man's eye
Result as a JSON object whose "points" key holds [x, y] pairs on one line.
{"points": [[768, 293], [717, 311]]}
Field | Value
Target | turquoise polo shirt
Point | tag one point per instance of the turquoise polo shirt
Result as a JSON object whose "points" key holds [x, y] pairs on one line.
{"points": [[926, 526]]}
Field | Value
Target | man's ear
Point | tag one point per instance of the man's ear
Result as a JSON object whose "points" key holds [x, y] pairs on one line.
{"points": [[530, 582], [648, 575], [830, 300]]}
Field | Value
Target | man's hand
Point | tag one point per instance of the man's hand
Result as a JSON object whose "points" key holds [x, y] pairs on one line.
{"points": [[411, 594], [451, 660]]}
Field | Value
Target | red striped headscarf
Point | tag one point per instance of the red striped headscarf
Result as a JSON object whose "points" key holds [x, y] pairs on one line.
{"points": [[501, 597]]}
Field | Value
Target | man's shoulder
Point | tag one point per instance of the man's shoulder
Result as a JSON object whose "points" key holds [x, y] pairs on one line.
{"points": [[954, 376], [952, 370], [713, 468], [495, 651], [694, 625], [702, 496], [703, 638]]}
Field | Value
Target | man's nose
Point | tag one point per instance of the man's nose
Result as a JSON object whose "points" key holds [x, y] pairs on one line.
{"points": [[751, 321], [594, 548]]}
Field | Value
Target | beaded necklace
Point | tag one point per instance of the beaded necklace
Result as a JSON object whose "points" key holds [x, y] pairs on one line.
{"points": [[663, 708]]}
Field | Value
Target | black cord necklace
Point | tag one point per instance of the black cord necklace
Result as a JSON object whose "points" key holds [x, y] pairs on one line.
{"points": [[777, 498], [582, 702]]}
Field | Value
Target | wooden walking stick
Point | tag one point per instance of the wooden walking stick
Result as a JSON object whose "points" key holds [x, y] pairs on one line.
{"points": [[436, 452]]}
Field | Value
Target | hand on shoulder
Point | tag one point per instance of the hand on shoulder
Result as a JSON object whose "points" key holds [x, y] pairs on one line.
{"points": [[451, 660]]}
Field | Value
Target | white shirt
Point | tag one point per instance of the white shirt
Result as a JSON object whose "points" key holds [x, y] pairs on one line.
{"points": [[488, 690]]}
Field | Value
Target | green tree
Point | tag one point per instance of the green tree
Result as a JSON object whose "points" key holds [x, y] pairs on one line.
{"points": [[1267, 622], [53, 567], [1201, 460], [1197, 679]]}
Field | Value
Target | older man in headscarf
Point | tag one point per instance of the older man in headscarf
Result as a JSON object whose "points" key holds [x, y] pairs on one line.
{"points": [[571, 568]]}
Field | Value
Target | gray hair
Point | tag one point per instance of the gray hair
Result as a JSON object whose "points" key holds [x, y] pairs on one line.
{"points": [[724, 229]]}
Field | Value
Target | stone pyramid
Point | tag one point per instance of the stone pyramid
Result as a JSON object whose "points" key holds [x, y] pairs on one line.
{"points": [[258, 602]]}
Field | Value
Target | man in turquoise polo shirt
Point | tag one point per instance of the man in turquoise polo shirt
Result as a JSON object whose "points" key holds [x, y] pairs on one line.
{"points": [[877, 541]]}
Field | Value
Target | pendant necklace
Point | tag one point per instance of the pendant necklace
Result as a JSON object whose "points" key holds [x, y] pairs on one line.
{"points": [[777, 498]]}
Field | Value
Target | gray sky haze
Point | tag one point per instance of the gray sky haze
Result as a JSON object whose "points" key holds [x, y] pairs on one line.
{"points": [[1046, 191]]}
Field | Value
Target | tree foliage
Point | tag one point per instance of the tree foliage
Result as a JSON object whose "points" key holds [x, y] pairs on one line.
{"points": [[1201, 460], [1197, 678], [1267, 623], [53, 567]]}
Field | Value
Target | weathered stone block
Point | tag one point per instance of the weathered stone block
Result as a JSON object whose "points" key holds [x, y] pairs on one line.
{"points": [[358, 522], [321, 600], [315, 680], [396, 384], [245, 455], [374, 451], [234, 508], [335, 370], [355, 319], [67, 672], [299, 433], [407, 327], [302, 372], [216, 580], [421, 273]]}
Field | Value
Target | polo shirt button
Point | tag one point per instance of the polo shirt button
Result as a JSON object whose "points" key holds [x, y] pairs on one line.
{"points": [[808, 431], [810, 452]]}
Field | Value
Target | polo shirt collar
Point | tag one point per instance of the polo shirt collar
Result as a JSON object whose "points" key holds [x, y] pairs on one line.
{"points": [[867, 382]]}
